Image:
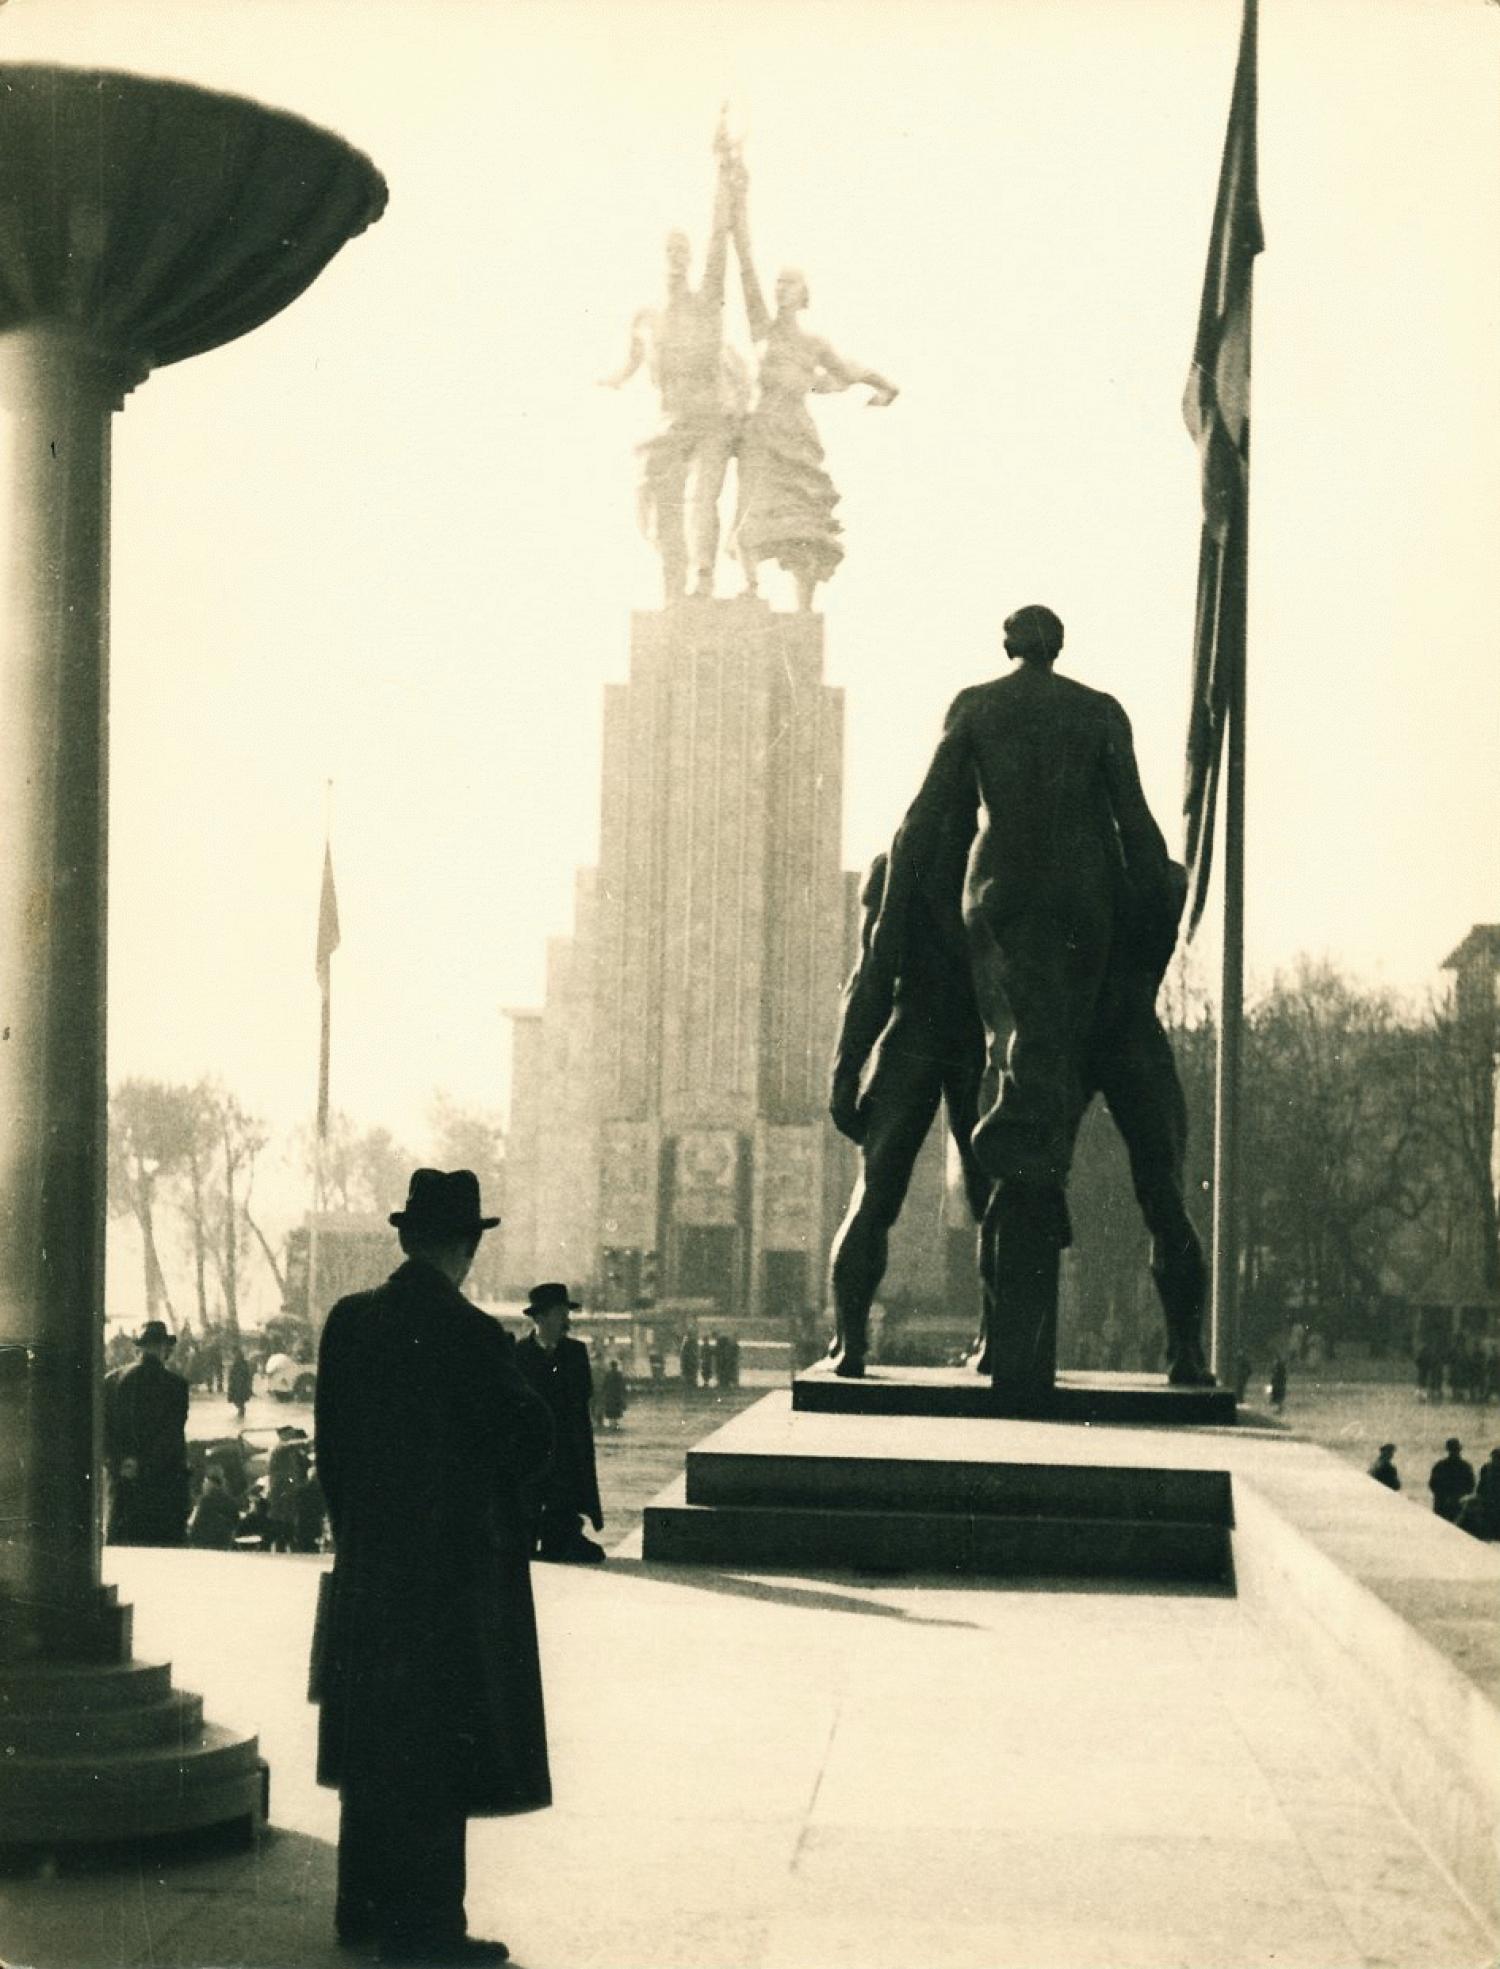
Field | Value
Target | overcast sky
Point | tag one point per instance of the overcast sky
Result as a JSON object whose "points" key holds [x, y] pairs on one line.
{"points": [[388, 539]]}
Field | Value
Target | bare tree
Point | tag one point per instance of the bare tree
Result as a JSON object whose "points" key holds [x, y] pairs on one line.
{"points": [[150, 1124], [1336, 1154], [1457, 1092], [474, 1138], [364, 1170]]}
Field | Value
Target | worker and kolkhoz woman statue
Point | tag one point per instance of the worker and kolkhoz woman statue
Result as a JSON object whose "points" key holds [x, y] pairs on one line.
{"points": [[1013, 945], [1016, 935], [710, 414]]}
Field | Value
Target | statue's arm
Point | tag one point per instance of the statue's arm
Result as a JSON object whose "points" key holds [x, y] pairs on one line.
{"points": [[834, 374], [869, 996], [635, 355], [756, 311], [1158, 885], [712, 290], [1141, 839], [936, 832]]}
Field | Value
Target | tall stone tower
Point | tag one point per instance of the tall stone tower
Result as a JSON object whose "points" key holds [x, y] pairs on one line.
{"points": [[719, 951]]}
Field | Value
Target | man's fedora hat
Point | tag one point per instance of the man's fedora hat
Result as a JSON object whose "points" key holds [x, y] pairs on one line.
{"points": [[154, 1333], [542, 1298], [443, 1201]]}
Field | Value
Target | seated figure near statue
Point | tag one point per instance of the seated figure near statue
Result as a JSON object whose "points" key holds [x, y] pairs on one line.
{"points": [[1071, 904], [912, 1008]]}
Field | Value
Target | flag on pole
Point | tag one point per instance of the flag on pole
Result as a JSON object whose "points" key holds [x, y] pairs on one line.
{"points": [[1216, 407], [328, 943]]}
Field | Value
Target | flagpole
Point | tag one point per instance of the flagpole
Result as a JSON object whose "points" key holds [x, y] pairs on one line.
{"points": [[325, 1038], [1224, 1314]]}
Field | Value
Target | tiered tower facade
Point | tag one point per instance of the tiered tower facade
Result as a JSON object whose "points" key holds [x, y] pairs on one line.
{"points": [[703, 980]]}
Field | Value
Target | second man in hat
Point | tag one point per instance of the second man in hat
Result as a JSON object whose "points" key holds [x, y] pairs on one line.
{"points": [[558, 1368]]}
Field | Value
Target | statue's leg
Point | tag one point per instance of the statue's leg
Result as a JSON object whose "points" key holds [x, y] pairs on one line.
{"points": [[1025, 1232], [963, 1079], [668, 461], [714, 450], [1039, 978], [901, 1101], [1138, 1077]]}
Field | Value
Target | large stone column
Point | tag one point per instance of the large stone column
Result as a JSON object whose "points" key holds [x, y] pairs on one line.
{"points": [[145, 222]]}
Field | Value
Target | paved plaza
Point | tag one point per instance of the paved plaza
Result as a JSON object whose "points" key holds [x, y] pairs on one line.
{"points": [[800, 1773]]}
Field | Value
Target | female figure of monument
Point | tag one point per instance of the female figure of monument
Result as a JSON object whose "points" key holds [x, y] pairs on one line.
{"points": [[786, 498]]}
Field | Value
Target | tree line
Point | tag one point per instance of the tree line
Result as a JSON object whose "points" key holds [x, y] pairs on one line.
{"points": [[182, 1168], [1368, 1182]]}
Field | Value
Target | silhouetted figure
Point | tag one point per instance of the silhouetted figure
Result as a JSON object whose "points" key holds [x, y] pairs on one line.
{"points": [[1384, 1470], [145, 1445], [216, 1515], [908, 1006], [1487, 1496], [311, 1515], [708, 1357], [427, 1673], [722, 1349], [614, 1397], [286, 1477], [1276, 1386], [558, 1370], [1451, 1481], [1071, 905], [241, 1383], [687, 1360]]}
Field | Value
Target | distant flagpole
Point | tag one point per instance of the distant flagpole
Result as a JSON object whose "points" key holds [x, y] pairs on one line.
{"points": [[328, 943], [1217, 410]]}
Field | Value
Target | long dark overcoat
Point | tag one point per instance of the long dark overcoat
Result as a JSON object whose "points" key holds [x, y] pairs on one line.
{"points": [[565, 1382], [427, 1668], [145, 1421]]}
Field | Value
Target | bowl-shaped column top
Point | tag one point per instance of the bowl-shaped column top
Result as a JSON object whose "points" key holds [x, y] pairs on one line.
{"points": [[158, 220]]}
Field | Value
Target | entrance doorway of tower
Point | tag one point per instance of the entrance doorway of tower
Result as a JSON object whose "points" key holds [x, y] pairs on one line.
{"points": [[708, 1264]]}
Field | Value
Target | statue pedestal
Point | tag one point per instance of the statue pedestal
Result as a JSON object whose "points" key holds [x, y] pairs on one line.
{"points": [[1076, 1396], [783, 1488]]}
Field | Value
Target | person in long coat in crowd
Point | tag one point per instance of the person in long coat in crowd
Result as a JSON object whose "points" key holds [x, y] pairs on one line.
{"points": [[614, 1400], [241, 1383], [558, 1369], [145, 1445], [216, 1515], [426, 1663]]}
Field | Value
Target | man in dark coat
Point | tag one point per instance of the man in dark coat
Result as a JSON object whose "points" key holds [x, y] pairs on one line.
{"points": [[427, 1667], [1451, 1481], [1384, 1470], [558, 1369], [241, 1383], [145, 1445]]}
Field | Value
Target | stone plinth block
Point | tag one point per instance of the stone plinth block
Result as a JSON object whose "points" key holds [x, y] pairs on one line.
{"points": [[1076, 1397]]}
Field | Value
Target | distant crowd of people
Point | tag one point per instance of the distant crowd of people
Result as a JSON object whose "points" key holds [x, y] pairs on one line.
{"points": [[1463, 1369], [155, 1495], [1471, 1502], [715, 1357]]}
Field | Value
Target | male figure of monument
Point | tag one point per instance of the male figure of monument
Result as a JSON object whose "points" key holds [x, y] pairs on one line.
{"points": [[705, 393], [1071, 906], [911, 1006]]}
